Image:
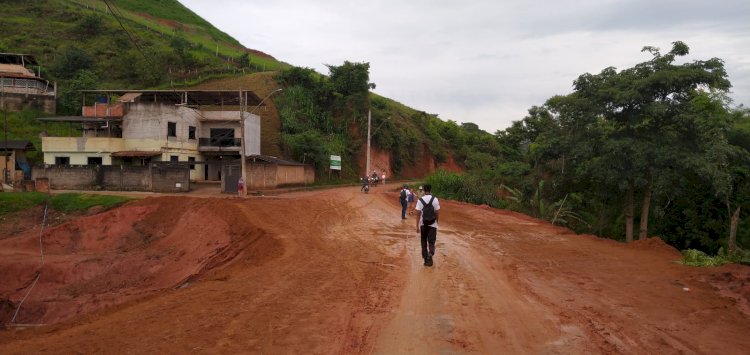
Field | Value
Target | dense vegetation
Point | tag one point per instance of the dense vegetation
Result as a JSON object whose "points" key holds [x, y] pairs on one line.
{"points": [[659, 138], [323, 115]]}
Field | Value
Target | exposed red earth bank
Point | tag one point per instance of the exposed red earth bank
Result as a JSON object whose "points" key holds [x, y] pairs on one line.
{"points": [[339, 272]]}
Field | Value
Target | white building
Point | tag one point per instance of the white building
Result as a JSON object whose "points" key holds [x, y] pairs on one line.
{"points": [[135, 127]]}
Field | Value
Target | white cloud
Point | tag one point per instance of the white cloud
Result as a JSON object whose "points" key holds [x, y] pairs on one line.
{"points": [[485, 62]]}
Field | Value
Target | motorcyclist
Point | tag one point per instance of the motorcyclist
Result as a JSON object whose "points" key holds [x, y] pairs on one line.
{"points": [[365, 184]]}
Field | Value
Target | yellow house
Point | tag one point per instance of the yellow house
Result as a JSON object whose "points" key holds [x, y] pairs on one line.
{"points": [[135, 127]]}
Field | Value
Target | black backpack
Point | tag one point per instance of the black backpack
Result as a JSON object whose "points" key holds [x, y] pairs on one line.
{"points": [[428, 212], [403, 195]]}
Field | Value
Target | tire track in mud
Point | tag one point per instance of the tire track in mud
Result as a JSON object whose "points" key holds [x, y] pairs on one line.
{"points": [[464, 305]]}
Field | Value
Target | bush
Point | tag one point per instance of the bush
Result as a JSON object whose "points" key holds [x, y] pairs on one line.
{"points": [[694, 257]]}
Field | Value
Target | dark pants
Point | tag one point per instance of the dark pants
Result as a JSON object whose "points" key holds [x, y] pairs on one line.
{"points": [[428, 237], [403, 209]]}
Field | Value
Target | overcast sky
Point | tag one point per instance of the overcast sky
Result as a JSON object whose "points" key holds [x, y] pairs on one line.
{"points": [[485, 61]]}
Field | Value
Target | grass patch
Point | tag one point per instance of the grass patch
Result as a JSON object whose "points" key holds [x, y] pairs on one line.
{"points": [[69, 202], [17, 201], [693, 257]]}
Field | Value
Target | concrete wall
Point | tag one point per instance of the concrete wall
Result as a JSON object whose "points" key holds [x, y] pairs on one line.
{"points": [[167, 178], [260, 176], [252, 134], [150, 121], [18, 102], [270, 176], [67, 177], [155, 177], [290, 175], [122, 178]]}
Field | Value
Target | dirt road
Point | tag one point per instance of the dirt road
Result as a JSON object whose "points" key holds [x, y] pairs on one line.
{"points": [[338, 271]]}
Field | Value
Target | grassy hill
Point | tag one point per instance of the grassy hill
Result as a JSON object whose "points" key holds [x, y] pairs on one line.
{"points": [[162, 42]]}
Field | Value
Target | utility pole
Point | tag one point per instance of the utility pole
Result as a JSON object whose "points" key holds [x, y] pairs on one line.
{"points": [[243, 107], [369, 122], [243, 163], [6, 170]]}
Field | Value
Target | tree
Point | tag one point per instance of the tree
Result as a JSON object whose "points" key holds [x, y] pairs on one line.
{"points": [[69, 101], [71, 61], [651, 123], [90, 25], [351, 78], [244, 60]]}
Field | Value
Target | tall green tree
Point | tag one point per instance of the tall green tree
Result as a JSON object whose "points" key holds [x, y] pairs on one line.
{"points": [[650, 122]]}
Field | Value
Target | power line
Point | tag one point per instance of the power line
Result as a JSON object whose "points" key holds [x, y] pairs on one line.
{"points": [[132, 39]]}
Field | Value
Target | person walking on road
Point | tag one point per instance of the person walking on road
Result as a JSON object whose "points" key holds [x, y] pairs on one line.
{"points": [[240, 186], [403, 195], [410, 200], [428, 207]]}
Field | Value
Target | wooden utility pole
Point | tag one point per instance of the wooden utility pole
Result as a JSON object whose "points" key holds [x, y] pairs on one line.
{"points": [[369, 123], [242, 145]]}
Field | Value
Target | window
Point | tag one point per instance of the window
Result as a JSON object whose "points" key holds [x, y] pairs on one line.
{"points": [[95, 161], [192, 160], [171, 129], [191, 132], [174, 158], [223, 137], [62, 160]]}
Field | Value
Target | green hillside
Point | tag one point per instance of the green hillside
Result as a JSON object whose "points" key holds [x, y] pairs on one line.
{"points": [[85, 44]]}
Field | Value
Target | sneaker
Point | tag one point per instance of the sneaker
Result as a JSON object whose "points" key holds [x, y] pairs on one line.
{"points": [[428, 262]]}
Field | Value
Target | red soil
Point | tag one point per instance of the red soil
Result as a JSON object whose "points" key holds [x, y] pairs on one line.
{"points": [[338, 271]]}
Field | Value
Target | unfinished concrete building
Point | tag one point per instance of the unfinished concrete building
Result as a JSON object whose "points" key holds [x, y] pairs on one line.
{"points": [[135, 127]]}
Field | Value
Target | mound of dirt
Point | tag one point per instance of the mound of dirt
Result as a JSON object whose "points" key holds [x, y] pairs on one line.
{"points": [[116, 256], [656, 244]]}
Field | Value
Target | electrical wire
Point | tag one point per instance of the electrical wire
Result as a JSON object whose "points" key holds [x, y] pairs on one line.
{"points": [[41, 252]]}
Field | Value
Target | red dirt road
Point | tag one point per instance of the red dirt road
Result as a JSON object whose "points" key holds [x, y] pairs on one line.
{"points": [[338, 272]]}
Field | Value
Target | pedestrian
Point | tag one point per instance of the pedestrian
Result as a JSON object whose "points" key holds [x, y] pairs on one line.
{"points": [[383, 177], [402, 198], [240, 186], [410, 199], [427, 222]]}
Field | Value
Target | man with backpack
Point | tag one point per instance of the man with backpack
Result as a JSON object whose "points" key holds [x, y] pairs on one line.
{"points": [[402, 198], [427, 219]]}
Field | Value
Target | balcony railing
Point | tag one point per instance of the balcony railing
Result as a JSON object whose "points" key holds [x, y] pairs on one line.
{"points": [[219, 142], [26, 86]]}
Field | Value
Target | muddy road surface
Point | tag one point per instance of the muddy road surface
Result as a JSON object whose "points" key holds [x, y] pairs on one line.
{"points": [[339, 272]]}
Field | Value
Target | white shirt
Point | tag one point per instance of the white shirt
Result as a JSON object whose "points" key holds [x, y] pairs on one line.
{"points": [[435, 204]]}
